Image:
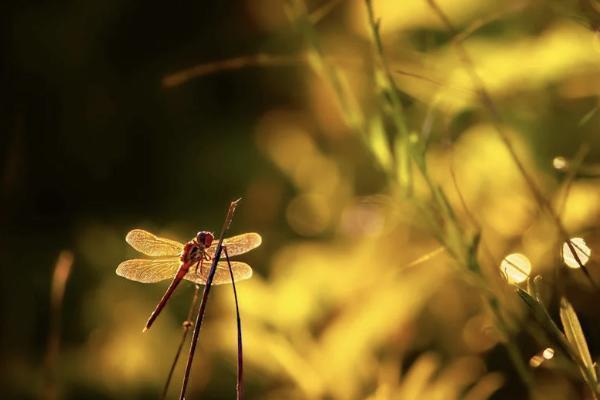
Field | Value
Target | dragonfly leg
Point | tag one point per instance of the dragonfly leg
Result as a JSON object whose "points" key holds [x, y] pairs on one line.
{"points": [[205, 257]]}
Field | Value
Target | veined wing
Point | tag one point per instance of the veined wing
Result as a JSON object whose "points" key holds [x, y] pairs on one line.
{"points": [[149, 270], [236, 245], [241, 271], [152, 245]]}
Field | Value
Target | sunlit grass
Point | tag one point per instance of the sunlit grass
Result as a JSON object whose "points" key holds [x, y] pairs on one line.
{"points": [[406, 182], [331, 324]]}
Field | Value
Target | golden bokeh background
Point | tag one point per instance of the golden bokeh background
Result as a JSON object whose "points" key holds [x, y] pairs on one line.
{"points": [[376, 279]]}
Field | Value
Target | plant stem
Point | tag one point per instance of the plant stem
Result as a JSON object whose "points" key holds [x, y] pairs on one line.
{"points": [[396, 109], [239, 390], [254, 60], [201, 310], [187, 324]]}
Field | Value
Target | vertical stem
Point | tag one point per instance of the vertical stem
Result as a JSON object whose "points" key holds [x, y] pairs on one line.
{"points": [[187, 324], [202, 309], [397, 109]]}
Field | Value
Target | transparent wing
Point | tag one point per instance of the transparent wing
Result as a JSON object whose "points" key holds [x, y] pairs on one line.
{"points": [[239, 244], [149, 270], [152, 245], [241, 271]]}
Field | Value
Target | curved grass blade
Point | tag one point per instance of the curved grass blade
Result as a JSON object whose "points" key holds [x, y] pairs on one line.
{"points": [[576, 338], [239, 387]]}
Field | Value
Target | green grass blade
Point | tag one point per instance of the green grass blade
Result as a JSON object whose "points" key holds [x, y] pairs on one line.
{"points": [[575, 335]]}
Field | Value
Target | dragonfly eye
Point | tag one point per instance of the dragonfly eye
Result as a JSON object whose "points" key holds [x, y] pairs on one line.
{"points": [[205, 238]]}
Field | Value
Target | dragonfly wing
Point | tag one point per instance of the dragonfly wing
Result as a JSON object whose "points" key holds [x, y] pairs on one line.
{"points": [[239, 244], [152, 245], [241, 271], [147, 270]]}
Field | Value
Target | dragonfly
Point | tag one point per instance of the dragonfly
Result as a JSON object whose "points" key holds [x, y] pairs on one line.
{"points": [[190, 261]]}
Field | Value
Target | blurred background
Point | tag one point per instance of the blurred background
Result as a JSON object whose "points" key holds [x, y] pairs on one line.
{"points": [[125, 114]]}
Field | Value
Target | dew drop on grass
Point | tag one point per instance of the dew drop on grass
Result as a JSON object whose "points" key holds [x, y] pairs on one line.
{"points": [[560, 163], [516, 268], [548, 353], [582, 250]]}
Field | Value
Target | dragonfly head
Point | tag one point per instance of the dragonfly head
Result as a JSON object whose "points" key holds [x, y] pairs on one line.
{"points": [[204, 238]]}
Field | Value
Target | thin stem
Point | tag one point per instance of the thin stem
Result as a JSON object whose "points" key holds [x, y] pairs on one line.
{"points": [[397, 109], [62, 271], [240, 359], [322, 11], [187, 324], [253, 60], [480, 22], [201, 310]]}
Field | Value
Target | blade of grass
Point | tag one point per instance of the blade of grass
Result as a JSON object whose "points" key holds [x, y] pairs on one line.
{"points": [[254, 60], [396, 109], [483, 21], [576, 338], [202, 309], [588, 116], [240, 354], [549, 326], [187, 324]]}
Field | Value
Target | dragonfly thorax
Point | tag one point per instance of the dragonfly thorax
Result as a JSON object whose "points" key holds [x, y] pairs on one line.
{"points": [[192, 252]]}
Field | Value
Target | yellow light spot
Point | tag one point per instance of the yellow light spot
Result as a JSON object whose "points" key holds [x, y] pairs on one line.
{"points": [[548, 353], [516, 268], [536, 361], [581, 249], [560, 163]]}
